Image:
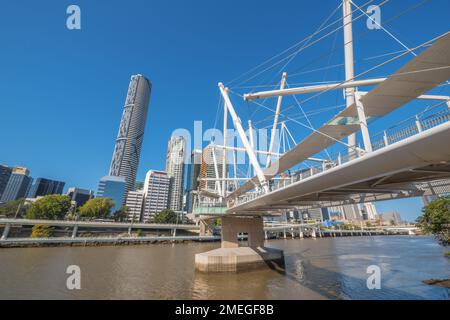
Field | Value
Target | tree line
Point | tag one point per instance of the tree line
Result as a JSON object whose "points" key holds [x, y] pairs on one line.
{"points": [[60, 207]]}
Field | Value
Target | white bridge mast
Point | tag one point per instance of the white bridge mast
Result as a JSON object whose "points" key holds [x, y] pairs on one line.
{"points": [[349, 63]]}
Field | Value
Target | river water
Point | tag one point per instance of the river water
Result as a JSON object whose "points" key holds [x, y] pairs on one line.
{"points": [[329, 268]]}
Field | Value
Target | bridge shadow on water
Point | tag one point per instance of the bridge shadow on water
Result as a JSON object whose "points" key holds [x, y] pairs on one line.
{"points": [[328, 271], [332, 284]]}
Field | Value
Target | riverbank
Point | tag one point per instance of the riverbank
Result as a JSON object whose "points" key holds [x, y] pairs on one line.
{"points": [[100, 241], [132, 241]]}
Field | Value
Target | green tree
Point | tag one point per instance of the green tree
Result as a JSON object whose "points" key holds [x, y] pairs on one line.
{"points": [[436, 220], [41, 231], [166, 216], [97, 208], [11, 208], [52, 207], [122, 214]]}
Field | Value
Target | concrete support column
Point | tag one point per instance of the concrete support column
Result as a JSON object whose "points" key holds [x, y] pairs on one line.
{"points": [[74, 231], [300, 233], [206, 227], [284, 233], [6, 231], [129, 230], [265, 235], [232, 226], [313, 233]]}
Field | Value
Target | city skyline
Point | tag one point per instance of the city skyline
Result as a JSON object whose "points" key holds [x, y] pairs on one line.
{"points": [[89, 151]]}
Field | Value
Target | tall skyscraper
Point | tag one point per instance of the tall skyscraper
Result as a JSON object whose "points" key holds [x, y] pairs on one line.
{"points": [[114, 188], [193, 173], [391, 218], [80, 196], [175, 171], [127, 151], [18, 185], [352, 212], [43, 187], [370, 210], [5, 174], [318, 214], [211, 167], [156, 193]]}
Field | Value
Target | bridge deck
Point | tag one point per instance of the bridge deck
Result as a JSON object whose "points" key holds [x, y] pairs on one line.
{"points": [[386, 173]]}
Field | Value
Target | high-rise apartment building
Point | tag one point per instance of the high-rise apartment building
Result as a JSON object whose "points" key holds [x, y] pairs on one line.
{"points": [[352, 212], [193, 172], [211, 167], [114, 188], [156, 193], [80, 196], [391, 218], [135, 205], [5, 174], [175, 171], [43, 187], [18, 185], [370, 210], [128, 146]]}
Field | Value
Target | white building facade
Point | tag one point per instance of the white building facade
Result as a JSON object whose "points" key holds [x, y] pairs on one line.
{"points": [[156, 194], [135, 205], [175, 171]]}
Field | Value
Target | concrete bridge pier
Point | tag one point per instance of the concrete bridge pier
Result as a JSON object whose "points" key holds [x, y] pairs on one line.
{"points": [[207, 227], [232, 257], [74, 232], [313, 233], [6, 231], [300, 233]]}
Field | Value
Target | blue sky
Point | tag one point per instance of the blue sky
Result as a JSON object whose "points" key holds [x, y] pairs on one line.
{"points": [[62, 91]]}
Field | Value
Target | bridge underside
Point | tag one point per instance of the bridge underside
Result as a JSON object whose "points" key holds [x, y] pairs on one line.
{"points": [[403, 169]]}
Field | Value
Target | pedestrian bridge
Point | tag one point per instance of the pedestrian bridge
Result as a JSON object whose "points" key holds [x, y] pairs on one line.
{"points": [[396, 164], [390, 172]]}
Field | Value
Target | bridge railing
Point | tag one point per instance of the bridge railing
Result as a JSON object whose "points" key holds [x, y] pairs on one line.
{"points": [[405, 129], [410, 127]]}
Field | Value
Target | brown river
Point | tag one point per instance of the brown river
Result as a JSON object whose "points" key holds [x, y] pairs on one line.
{"points": [[329, 268]]}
